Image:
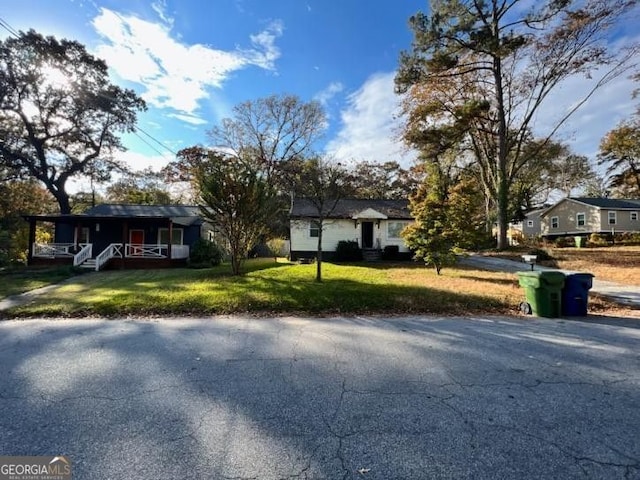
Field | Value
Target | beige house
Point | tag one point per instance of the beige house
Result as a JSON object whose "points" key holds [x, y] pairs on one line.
{"points": [[374, 224], [583, 216]]}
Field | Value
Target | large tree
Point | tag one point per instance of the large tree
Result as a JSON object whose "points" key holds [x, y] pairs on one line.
{"points": [[323, 183], [271, 130], [145, 187], [383, 180], [59, 114], [237, 200], [479, 71]]}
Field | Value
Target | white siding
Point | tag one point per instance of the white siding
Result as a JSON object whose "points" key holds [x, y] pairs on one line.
{"points": [[337, 230]]}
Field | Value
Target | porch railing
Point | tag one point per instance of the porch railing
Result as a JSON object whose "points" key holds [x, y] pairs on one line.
{"points": [[160, 250], [112, 251], [83, 255], [53, 250]]}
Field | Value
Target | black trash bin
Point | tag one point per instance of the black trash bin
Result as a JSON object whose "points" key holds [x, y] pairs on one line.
{"points": [[575, 294]]}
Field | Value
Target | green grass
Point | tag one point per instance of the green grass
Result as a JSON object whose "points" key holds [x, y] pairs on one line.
{"points": [[277, 288], [14, 281]]}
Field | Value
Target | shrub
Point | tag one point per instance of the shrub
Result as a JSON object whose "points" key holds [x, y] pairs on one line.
{"points": [[541, 255], [597, 240], [277, 247], [562, 242], [391, 252], [205, 254], [348, 251]]}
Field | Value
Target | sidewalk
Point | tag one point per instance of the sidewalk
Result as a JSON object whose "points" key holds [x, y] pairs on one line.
{"points": [[623, 294]]}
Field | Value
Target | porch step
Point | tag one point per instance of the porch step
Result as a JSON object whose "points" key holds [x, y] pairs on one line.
{"points": [[89, 264], [371, 255]]}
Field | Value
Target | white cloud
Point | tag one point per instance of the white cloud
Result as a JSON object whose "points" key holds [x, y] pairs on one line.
{"points": [[172, 74], [370, 125], [191, 119], [329, 92]]}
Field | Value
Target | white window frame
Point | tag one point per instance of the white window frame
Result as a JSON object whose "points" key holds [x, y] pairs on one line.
{"points": [[556, 221], [530, 223], [612, 215], [395, 224], [584, 219], [313, 227], [633, 216], [174, 230]]}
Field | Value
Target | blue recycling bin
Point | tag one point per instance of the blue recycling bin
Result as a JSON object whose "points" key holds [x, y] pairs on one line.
{"points": [[575, 294]]}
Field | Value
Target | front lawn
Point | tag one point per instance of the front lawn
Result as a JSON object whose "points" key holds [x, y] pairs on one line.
{"points": [[14, 281], [277, 288]]}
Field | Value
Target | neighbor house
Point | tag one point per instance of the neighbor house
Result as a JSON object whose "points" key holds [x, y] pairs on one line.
{"points": [[583, 216], [121, 236], [373, 224]]}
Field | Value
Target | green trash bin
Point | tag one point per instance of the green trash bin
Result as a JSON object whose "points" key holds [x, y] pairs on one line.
{"points": [[543, 291]]}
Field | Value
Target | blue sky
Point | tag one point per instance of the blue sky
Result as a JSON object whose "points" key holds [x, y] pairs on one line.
{"points": [[193, 60]]}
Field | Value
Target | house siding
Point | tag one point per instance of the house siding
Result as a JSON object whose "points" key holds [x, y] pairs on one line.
{"points": [[623, 221], [567, 211], [337, 230]]}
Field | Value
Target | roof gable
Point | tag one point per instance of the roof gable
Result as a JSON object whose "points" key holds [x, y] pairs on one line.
{"points": [[370, 213]]}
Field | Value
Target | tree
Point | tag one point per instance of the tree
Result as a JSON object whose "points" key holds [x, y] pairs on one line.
{"points": [[383, 180], [445, 211], [271, 130], [19, 197], [143, 188], [323, 184], [620, 151], [479, 71], [59, 114], [236, 199]]}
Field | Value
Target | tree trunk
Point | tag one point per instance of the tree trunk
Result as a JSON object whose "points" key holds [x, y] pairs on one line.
{"points": [[319, 255]]}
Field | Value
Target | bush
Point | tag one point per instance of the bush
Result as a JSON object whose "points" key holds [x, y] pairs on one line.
{"points": [[391, 252], [541, 255], [205, 254], [562, 242], [597, 240], [277, 247], [348, 251]]}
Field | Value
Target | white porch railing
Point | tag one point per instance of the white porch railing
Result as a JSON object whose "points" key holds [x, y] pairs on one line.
{"points": [[83, 255], [160, 250], [112, 251], [52, 250]]}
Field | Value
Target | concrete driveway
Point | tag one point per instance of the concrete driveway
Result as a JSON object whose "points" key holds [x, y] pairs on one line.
{"points": [[296, 398]]}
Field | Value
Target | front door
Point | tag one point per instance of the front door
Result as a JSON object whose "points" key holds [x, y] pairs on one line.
{"points": [[367, 234], [136, 240]]}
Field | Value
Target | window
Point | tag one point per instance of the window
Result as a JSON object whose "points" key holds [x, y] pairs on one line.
{"points": [[612, 218], [530, 223], [314, 231], [176, 234], [633, 216], [555, 223], [580, 219], [394, 229], [82, 236]]}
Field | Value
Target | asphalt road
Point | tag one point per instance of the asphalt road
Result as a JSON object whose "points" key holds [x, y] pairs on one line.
{"points": [[362, 398]]}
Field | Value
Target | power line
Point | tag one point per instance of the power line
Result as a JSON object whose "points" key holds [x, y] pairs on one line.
{"points": [[8, 28], [4, 24]]}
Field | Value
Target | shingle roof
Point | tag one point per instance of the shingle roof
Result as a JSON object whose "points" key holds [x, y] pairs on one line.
{"points": [[181, 214], [347, 208], [610, 203]]}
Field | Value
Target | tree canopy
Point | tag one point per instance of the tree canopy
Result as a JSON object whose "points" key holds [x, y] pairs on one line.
{"points": [[479, 71], [59, 114]]}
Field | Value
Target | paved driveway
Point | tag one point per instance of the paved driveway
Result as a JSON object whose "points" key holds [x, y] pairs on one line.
{"points": [[364, 398]]}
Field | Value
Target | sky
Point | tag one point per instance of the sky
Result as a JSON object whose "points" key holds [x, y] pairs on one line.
{"points": [[194, 60]]}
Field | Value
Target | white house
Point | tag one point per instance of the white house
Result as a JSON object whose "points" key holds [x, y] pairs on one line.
{"points": [[374, 224]]}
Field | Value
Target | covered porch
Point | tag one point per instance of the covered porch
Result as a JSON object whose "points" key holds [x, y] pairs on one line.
{"points": [[99, 242]]}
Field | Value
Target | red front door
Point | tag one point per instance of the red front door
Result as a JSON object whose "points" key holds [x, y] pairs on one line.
{"points": [[136, 238]]}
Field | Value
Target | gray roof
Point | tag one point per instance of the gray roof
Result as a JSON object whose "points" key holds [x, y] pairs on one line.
{"points": [[610, 203], [347, 208], [180, 214]]}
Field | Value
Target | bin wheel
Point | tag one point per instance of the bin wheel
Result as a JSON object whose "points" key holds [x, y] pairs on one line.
{"points": [[526, 308]]}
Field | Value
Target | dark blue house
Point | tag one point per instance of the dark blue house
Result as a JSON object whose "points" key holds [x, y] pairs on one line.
{"points": [[119, 236]]}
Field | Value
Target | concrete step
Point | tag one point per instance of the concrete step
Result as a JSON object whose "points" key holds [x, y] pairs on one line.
{"points": [[371, 255]]}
